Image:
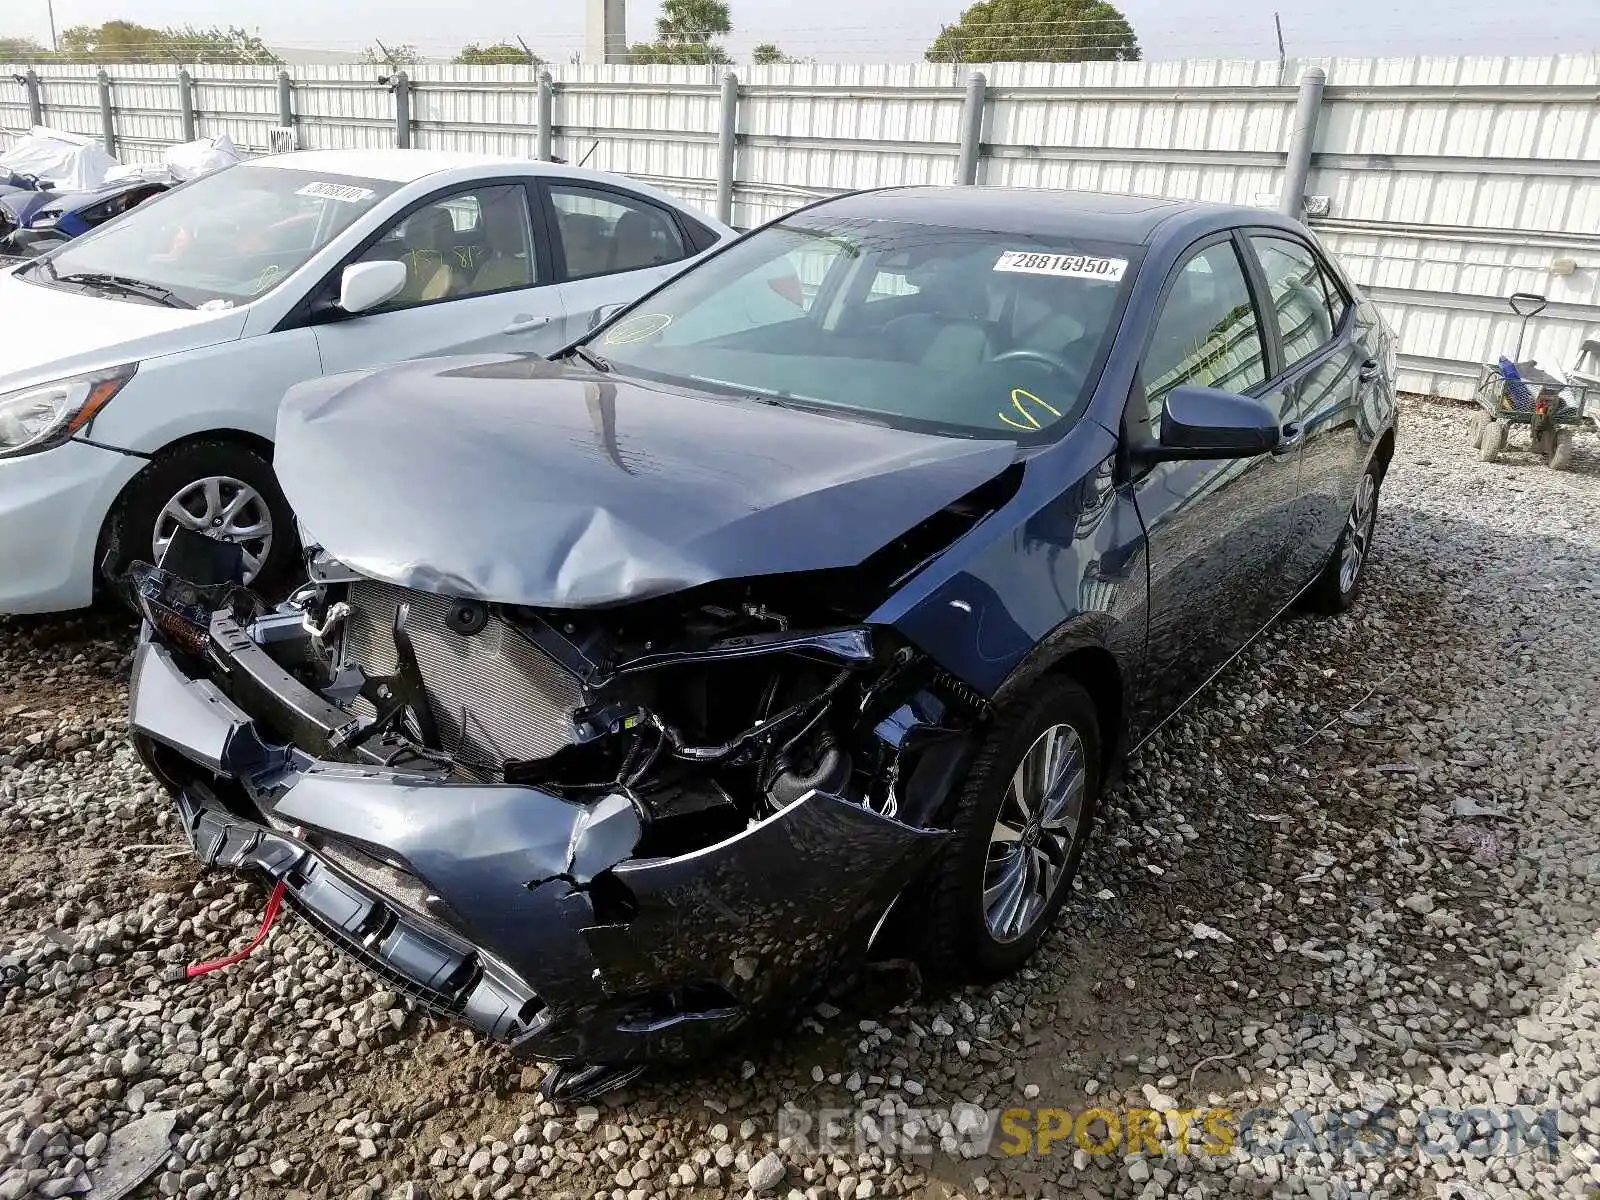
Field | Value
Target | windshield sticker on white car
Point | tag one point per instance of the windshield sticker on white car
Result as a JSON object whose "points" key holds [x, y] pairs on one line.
{"points": [[637, 328], [1066, 266], [349, 193]]}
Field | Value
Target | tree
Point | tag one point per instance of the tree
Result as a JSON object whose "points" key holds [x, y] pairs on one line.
{"points": [[678, 54], [767, 54], [683, 34], [474, 55], [127, 41], [401, 54], [1037, 31], [21, 50], [692, 21]]}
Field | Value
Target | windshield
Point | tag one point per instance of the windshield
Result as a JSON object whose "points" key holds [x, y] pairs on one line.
{"points": [[955, 330], [224, 239]]}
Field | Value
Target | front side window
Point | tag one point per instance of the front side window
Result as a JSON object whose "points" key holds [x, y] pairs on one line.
{"points": [[465, 244], [1207, 334], [223, 239], [1298, 294], [976, 333], [602, 232]]}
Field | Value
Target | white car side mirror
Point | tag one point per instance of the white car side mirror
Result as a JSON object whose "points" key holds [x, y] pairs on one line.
{"points": [[366, 285]]}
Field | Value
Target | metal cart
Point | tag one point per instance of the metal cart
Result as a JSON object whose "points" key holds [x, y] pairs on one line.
{"points": [[1513, 392]]}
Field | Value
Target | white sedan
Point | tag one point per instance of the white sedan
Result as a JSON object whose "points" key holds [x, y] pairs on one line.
{"points": [[142, 364]]}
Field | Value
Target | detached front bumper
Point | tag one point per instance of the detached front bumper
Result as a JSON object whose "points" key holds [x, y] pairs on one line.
{"points": [[520, 912]]}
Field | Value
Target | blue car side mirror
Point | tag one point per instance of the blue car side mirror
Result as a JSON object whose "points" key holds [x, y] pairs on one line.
{"points": [[1202, 422]]}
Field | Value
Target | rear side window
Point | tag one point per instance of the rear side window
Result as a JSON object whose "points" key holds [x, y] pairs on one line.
{"points": [[603, 231], [1207, 334], [1298, 289]]}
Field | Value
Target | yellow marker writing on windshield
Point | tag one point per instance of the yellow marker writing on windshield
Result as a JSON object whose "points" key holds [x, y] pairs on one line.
{"points": [[1032, 421]]}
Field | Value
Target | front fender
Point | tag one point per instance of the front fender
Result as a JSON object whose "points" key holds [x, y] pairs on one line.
{"points": [[1061, 564]]}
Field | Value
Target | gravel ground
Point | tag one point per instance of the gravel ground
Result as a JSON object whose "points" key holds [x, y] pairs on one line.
{"points": [[1361, 876]]}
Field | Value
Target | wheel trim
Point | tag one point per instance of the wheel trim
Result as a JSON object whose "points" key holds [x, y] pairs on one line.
{"points": [[1035, 830], [1358, 533], [224, 509]]}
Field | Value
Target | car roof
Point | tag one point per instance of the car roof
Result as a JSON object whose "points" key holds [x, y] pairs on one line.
{"points": [[1096, 216], [408, 166], [397, 166]]}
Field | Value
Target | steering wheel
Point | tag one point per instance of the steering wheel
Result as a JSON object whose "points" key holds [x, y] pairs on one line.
{"points": [[1023, 354]]}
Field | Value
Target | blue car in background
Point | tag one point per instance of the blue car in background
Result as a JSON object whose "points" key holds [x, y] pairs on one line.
{"points": [[33, 219], [800, 611]]}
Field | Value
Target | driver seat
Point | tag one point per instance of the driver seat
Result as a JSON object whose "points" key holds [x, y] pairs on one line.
{"points": [[427, 238]]}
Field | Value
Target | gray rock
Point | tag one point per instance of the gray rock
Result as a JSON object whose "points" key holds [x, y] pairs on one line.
{"points": [[766, 1174]]}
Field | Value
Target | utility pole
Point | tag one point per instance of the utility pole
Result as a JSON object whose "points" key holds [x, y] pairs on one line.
{"points": [[533, 59], [50, 7], [1283, 58], [606, 31]]}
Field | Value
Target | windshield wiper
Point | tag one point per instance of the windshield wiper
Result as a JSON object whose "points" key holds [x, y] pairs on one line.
{"points": [[123, 283], [593, 359]]}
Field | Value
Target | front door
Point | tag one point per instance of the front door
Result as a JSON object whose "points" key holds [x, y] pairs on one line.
{"points": [[1217, 531], [476, 281]]}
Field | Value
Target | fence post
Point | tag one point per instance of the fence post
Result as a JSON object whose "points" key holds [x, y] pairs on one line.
{"points": [[30, 83], [108, 120], [1297, 169], [547, 111], [971, 129], [401, 83], [727, 135], [285, 100], [186, 103]]}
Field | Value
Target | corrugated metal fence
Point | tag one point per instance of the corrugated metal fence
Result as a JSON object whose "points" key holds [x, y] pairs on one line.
{"points": [[1443, 183]]}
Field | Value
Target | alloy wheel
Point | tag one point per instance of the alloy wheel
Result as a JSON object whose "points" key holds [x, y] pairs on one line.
{"points": [[224, 509], [1358, 533], [1040, 818]]}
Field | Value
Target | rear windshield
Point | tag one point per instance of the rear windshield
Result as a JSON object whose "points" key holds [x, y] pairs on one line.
{"points": [[955, 330], [224, 238]]}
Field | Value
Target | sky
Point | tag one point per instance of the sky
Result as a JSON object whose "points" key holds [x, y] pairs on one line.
{"points": [[868, 30]]}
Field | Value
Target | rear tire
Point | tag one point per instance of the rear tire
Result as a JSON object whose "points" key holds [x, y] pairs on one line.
{"points": [[1561, 456], [998, 884], [1492, 440], [222, 486], [1339, 583]]}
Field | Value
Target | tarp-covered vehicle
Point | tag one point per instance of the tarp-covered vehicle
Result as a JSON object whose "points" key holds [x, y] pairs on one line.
{"points": [[81, 187], [801, 609]]}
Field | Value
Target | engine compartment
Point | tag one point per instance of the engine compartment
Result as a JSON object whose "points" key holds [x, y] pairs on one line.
{"points": [[709, 710]]}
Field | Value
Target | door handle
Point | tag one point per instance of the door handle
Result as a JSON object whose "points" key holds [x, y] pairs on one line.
{"points": [[1369, 371], [522, 323], [1289, 438]]}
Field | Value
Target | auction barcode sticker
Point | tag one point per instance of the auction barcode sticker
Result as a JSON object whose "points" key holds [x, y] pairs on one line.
{"points": [[336, 191], [1068, 266]]}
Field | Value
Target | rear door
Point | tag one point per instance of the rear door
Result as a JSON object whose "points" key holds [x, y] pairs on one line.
{"points": [[610, 246], [478, 278], [1216, 530], [1320, 369]]}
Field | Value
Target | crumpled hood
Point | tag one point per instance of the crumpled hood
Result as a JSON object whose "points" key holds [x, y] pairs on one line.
{"points": [[516, 480], [52, 332]]}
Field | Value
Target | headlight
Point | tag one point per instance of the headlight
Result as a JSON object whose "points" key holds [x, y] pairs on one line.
{"points": [[47, 414]]}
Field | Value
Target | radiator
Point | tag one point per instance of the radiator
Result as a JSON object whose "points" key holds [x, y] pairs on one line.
{"points": [[495, 696]]}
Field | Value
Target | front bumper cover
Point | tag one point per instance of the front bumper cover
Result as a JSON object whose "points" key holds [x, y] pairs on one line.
{"points": [[515, 910]]}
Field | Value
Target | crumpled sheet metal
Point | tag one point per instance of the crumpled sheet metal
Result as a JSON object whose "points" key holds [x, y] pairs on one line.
{"points": [[520, 481]]}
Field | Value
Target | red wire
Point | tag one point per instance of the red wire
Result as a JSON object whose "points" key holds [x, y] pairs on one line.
{"points": [[274, 903]]}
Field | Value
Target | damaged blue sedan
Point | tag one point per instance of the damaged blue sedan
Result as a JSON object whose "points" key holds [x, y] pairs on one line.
{"points": [[797, 614]]}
